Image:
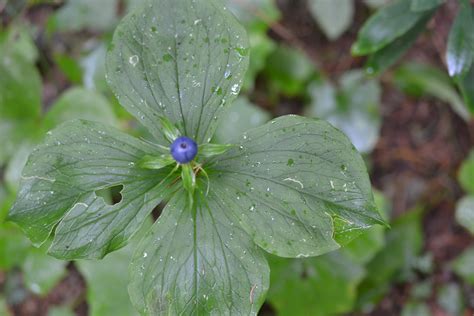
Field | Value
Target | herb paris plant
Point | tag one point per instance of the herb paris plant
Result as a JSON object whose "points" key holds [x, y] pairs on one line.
{"points": [[295, 187]]}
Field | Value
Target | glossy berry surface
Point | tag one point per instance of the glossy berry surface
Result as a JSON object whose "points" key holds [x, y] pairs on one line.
{"points": [[184, 149]]}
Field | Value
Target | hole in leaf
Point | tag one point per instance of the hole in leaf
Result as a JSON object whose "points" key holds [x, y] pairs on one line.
{"points": [[111, 195]]}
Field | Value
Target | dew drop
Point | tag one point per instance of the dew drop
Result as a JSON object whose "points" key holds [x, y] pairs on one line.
{"points": [[133, 60]]}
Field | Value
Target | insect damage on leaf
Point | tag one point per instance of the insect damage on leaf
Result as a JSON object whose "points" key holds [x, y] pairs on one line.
{"points": [[175, 65]]}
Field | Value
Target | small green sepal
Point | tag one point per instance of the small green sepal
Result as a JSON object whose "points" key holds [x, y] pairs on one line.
{"points": [[155, 162], [210, 150]]}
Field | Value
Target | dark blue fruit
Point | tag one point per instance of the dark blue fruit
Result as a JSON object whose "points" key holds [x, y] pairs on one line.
{"points": [[183, 149]]}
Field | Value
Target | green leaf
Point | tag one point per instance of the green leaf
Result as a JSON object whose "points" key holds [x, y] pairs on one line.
{"points": [[319, 286], [376, 3], [60, 311], [288, 71], [42, 272], [354, 109], [425, 5], [20, 102], [255, 14], [3, 307], [466, 174], [156, 162], [15, 166], [460, 50], [386, 25], [86, 14], [198, 261], [242, 116], [364, 248], [70, 67], [107, 281], [333, 17], [289, 179], [181, 60], [79, 103], [383, 58], [418, 79], [13, 247], [450, 298], [464, 265], [261, 47], [465, 213], [467, 88], [59, 183], [416, 309], [18, 41], [395, 262]]}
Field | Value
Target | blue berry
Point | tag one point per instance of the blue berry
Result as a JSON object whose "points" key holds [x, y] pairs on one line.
{"points": [[183, 149]]}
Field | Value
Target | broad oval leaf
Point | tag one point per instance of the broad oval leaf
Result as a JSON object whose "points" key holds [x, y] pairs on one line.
{"points": [[58, 188], [460, 50], [198, 261], [180, 59], [387, 24], [296, 185]]}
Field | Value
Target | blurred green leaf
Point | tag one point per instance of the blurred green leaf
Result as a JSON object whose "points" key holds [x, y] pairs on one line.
{"points": [[42, 272], [79, 103], [419, 79], [416, 309], [93, 69], [70, 67], [87, 14], [465, 212], [20, 102], [467, 88], [107, 282], [460, 50], [354, 108], [425, 5], [394, 262], [388, 55], [325, 285], [15, 166], [387, 24], [61, 311], [255, 15], [463, 266], [422, 290], [466, 174], [241, 116], [260, 48], [17, 40], [288, 71], [333, 17], [12, 8], [14, 246], [450, 299], [376, 3], [4, 311], [369, 243]]}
